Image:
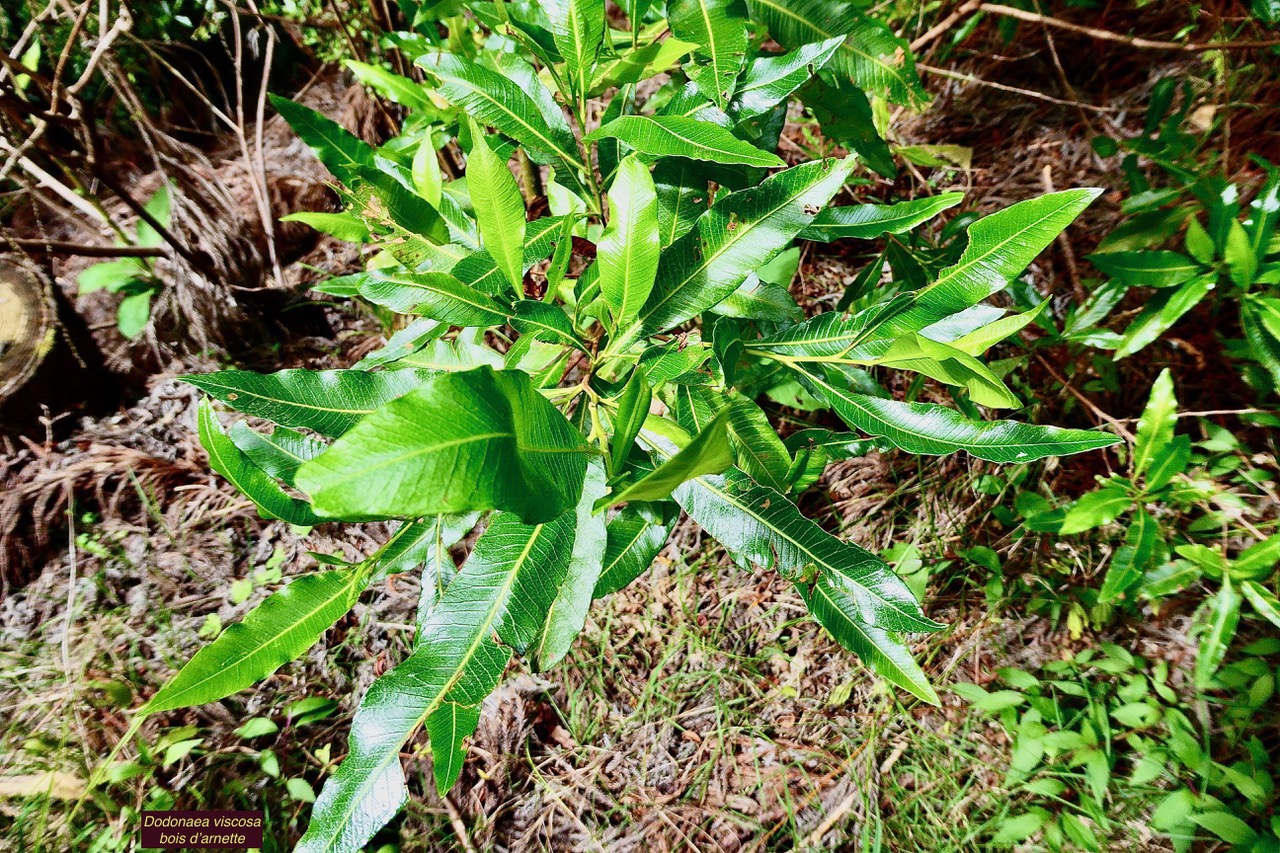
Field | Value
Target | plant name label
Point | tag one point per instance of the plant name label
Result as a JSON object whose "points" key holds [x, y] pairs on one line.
{"points": [[225, 829]]}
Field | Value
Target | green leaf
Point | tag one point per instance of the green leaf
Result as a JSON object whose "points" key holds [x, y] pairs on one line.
{"points": [[499, 208], [1258, 560], [481, 439], [983, 338], [741, 232], [680, 136], [447, 727], [758, 299], [492, 99], [832, 602], [1160, 312], [627, 254], [846, 117], [160, 207], [635, 536], [682, 197], [134, 313], [481, 271], [496, 603], [329, 402], [831, 336], [1132, 559], [760, 453], [869, 221], [1225, 825], [708, 453], [1155, 427], [1096, 509], [770, 80], [342, 153], [578, 27], [344, 226], [275, 632], [568, 613], [278, 454], [1150, 269], [1020, 827], [437, 295], [545, 322], [718, 28], [758, 526], [633, 408], [402, 90], [427, 543], [111, 275], [428, 181], [951, 366], [871, 55], [1241, 258], [938, 431], [1000, 247], [229, 461], [1264, 601], [1219, 615]]}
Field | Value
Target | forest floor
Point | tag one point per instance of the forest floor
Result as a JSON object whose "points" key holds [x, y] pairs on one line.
{"points": [[701, 709]]}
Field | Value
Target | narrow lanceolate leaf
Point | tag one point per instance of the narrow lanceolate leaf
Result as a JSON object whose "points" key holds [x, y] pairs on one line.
{"points": [[633, 408], [770, 80], [635, 536], [504, 589], [760, 452], [830, 602], [499, 208], [254, 483], [428, 545], [1219, 617], [545, 322], [492, 99], [708, 453], [718, 28], [1155, 427], [1264, 601], [758, 526], [1150, 269], [578, 28], [278, 454], [275, 632], [678, 136], [871, 56], [938, 431], [830, 336], [627, 254], [568, 613], [329, 402], [1000, 247], [1132, 559], [476, 440], [437, 295], [338, 149], [869, 221], [481, 271], [740, 233], [682, 197], [1160, 313]]}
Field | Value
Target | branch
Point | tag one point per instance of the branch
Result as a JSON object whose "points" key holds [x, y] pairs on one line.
{"points": [[66, 247], [1132, 41]]}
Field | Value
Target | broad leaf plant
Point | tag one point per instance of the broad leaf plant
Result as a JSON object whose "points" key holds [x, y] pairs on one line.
{"points": [[587, 346]]}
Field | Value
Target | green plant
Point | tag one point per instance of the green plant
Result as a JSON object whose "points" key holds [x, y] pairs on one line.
{"points": [[133, 278], [1181, 525], [1235, 258], [1101, 739], [576, 379]]}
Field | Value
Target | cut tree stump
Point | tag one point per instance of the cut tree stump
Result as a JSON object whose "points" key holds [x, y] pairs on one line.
{"points": [[49, 364]]}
